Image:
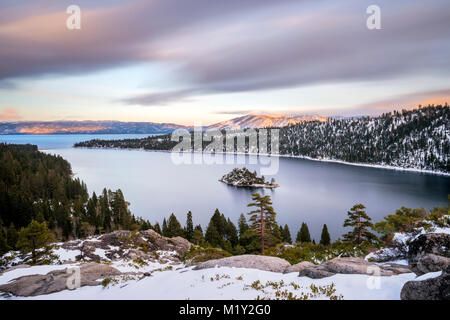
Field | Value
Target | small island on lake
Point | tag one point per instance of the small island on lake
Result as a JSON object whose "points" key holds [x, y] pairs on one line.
{"points": [[244, 178]]}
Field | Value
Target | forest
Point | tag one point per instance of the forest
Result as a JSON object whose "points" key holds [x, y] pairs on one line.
{"points": [[40, 187]]}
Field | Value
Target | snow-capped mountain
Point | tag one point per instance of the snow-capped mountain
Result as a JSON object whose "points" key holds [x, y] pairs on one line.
{"points": [[264, 121]]}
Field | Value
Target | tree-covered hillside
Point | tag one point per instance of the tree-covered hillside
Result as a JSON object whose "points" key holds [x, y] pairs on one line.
{"points": [[418, 139], [39, 186]]}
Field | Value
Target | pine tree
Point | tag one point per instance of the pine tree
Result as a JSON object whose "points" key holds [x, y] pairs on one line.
{"points": [[165, 231], [189, 229], [231, 233], [197, 237], [262, 219], [360, 222], [174, 228], [33, 237], [287, 234], [3, 244], [325, 236], [242, 225], [303, 234], [12, 236], [212, 236], [157, 228]]}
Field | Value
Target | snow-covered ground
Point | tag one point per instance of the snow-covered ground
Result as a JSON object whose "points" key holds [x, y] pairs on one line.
{"points": [[181, 283]]}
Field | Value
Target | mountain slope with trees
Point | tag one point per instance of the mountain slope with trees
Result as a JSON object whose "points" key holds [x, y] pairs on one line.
{"points": [[36, 187], [413, 139]]}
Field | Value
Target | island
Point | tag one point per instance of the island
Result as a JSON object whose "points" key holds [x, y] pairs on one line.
{"points": [[244, 178]]}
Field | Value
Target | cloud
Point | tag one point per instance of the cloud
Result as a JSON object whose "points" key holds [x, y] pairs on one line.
{"points": [[233, 46], [410, 100], [109, 36], [9, 114], [159, 98]]}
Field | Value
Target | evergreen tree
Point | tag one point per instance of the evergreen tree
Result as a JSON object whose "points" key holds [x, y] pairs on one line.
{"points": [[165, 230], [231, 233], [262, 219], [157, 228], [303, 234], [174, 228], [325, 236], [286, 234], [12, 236], [212, 236], [33, 237], [189, 229], [197, 236], [242, 225], [360, 222], [3, 244]]}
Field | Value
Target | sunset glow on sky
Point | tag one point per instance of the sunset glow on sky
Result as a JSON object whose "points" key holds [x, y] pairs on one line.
{"points": [[207, 61]]}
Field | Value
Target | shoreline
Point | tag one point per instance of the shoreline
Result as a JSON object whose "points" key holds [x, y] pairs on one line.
{"points": [[357, 164], [269, 186]]}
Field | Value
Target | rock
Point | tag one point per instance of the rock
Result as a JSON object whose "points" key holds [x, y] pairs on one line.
{"points": [[351, 265], [429, 252], [265, 263], [428, 263], [435, 243], [299, 267], [55, 281], [316, 272], [431, 289]]}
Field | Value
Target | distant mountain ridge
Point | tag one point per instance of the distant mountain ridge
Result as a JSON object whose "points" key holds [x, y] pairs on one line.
{"points": [[265, 121], [92, 127], [118, 127]]}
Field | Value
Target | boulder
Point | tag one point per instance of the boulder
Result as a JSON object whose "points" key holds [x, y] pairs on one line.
{"points": [[351, 265], [299, 267], [250, 261], [431, 289], [55, 281], [435, 243], [429, 252], [315, 272], [429, 263]]}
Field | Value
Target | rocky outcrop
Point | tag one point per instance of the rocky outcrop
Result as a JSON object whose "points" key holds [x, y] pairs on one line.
{"points": [[265, 263], [429, 253], [351, 265], [299, 267], [429, 263], [130, 245], [431, 289], [55, 281]]}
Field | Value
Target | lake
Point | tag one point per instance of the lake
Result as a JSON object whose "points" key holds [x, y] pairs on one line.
{"points": [[310, 191]]}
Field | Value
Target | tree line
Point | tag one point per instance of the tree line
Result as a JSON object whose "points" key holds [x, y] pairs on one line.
{"points": [[39, 187]]}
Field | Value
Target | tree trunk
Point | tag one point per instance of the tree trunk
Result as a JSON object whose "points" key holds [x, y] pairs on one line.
{"points": [[262, 231], [359, 229]]}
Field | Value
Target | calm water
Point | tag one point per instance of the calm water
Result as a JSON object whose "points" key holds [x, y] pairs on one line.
{"points": [[311, 191]]}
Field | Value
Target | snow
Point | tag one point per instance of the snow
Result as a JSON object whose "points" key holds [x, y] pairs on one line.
{"points": [[221, 283], [20, 272]]}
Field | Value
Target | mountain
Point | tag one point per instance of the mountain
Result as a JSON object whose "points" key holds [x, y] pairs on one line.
{"points": [[264, 121], [118, 127], [105, 127], [414, 139]]}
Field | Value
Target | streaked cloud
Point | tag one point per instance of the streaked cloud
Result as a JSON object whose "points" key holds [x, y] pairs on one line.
{"points": [[9, 114]]}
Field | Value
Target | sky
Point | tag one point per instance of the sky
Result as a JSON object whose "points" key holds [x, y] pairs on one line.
{"points": [[203, 61]]}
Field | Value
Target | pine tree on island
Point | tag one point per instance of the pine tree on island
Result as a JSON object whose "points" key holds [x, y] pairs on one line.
{"points": [[360, 222], [262, 219]]}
